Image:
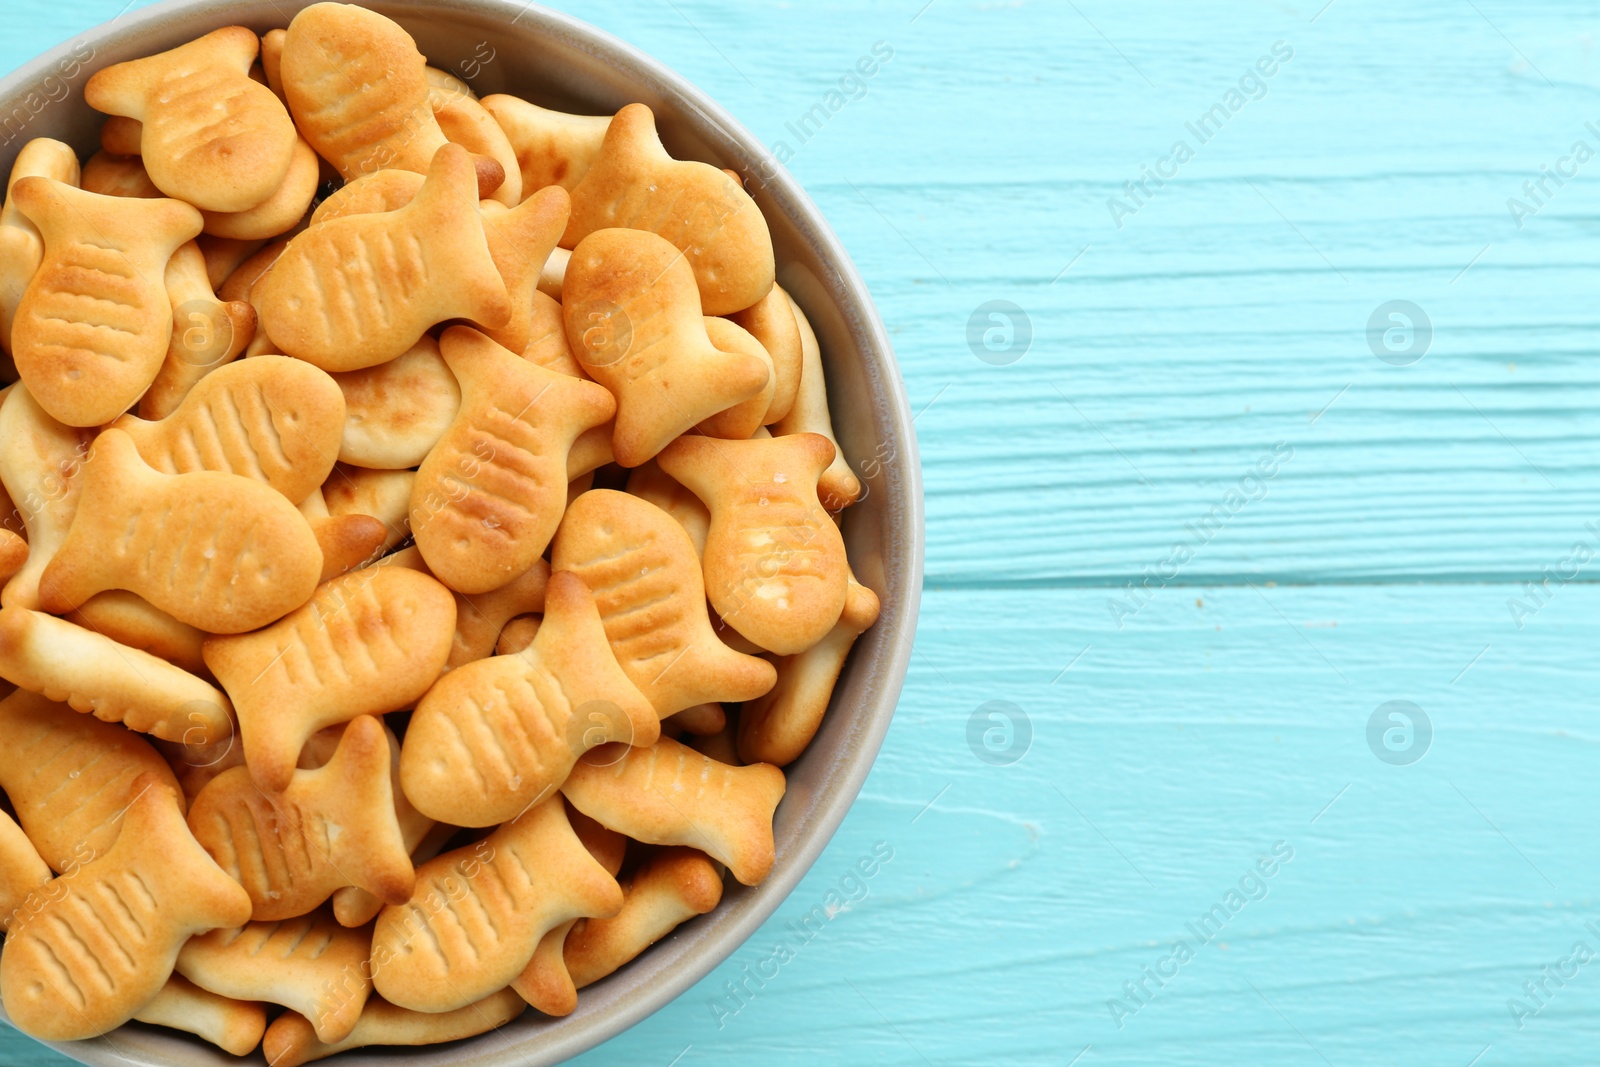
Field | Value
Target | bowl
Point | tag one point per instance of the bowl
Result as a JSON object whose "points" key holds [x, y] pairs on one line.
{"points": [[560, 62]]}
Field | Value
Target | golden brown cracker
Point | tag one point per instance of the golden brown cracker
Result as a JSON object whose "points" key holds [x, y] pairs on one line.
{"points": [[234, 1026], [422, 837], [207, 333], [435, 954], [113, 682], [21, 245], [356, 85], [496, 735], [211, 136], [309, 964], [634, 324], [669, 794], [544, 982], [648, 587], [771, 321], [396, 412], [90, 955], [671, 887], [774, 562], [329, 827], [695, 207], [291, 1040], [489, 496], [551, 147], [131, 620], [839, 487], [277, 421], [68, 777], [274, 421], [360, 290], [218, 551], [368, 643], [777, 727], [93, 325]]}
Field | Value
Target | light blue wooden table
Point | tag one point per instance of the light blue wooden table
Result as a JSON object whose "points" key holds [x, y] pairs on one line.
{"points": [[1315, 524]]}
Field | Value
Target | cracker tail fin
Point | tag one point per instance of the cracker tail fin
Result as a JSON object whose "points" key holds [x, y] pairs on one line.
{"points": [[445, 214], [631, 143], [291, 1040], [545, 983], [121, 89], [113, 471], [529, 231], [591, 891], [572, 643], [753, 851], [202, 893], [377, 859]]}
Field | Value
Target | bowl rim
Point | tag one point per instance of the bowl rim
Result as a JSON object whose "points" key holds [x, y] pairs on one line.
{"points": [[854, 301]]}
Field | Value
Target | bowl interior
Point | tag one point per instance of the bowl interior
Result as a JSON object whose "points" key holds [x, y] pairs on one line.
{"points": [[551, 59]]}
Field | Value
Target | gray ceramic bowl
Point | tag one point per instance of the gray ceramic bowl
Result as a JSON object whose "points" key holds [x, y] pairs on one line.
{"points": [[560, 62]]}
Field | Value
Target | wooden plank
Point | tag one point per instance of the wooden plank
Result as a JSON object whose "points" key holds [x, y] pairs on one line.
{"points": [[1232, 307], [1226, 314], [1209, 327], [1169, 758]]}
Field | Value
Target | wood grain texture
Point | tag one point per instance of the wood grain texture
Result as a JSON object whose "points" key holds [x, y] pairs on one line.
{"points": [[1229, 313]]}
